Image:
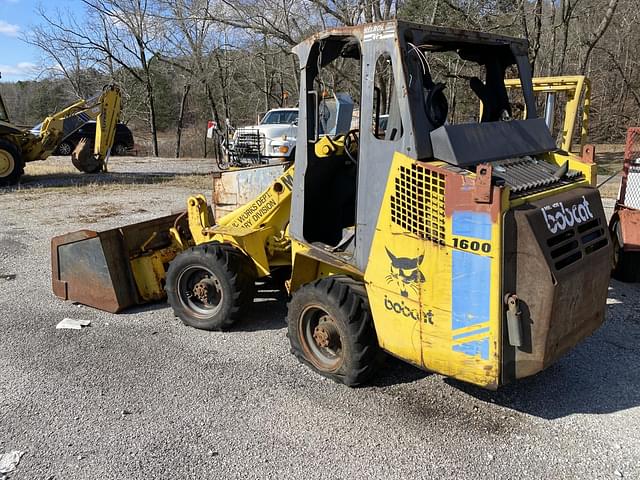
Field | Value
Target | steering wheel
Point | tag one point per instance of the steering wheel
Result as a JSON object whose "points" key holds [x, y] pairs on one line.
{"points": [[436, 105], [350, 139]]}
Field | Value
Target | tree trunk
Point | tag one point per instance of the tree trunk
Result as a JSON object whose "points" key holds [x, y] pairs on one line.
{"points": [[597, 35], [216, 117], [265, 72], [537, 34], [152, 117], [434, 13], [183, 105]]}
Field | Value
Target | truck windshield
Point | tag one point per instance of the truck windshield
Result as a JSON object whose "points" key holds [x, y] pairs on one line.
{"points": [[280, 117]]}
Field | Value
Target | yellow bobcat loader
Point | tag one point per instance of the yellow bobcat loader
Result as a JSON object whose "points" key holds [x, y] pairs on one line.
{"points": [[19, 146], [465, 244]]}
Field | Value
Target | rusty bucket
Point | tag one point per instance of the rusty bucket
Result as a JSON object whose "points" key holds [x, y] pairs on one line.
{"points": [[93, 268]]}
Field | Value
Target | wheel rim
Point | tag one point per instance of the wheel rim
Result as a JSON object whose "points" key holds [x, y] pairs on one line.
{"points": [[64, 149], [321, 338], [7, 164], [200, 291]]}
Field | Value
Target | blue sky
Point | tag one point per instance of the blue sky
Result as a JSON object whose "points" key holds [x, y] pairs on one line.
{"points": [[19, 60]]}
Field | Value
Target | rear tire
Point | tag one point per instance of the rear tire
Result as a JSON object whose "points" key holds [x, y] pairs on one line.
{"points": [[626, 265], [331, 330], [210, 286], [11, 164]]}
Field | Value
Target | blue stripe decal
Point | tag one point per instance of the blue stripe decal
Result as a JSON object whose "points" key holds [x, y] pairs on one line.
{"points": [[468, 334], [472, 224], [471, 284], [478, 347]]}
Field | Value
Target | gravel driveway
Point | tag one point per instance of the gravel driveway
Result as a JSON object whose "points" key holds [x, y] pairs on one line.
{"points": [[138, 395]]}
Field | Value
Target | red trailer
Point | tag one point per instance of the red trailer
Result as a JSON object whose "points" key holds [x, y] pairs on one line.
{"points": [[625, 222]]}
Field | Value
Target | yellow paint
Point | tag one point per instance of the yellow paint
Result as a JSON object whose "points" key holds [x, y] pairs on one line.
{"points": [[418, 327], [149, 272], [258, 228], [307, 267]]}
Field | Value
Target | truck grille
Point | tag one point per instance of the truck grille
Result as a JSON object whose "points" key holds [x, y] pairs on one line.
{"points": [[248, 141], [528, 175]]}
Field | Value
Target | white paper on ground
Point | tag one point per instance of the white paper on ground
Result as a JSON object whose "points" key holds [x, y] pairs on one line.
{"points": [[73, 323], [9, 461]]}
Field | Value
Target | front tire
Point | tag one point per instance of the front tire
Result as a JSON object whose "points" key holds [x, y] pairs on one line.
{"points": [[210, 286], [331, 330], [11, 164]]}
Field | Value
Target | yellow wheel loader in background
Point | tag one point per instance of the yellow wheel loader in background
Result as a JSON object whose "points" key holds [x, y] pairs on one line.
{"points": [[19, 146], [465, 244]]}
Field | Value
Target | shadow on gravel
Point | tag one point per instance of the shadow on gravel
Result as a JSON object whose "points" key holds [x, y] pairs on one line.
{"points": [[396, 372], [602, 375], [60, 180], [269, 309]]}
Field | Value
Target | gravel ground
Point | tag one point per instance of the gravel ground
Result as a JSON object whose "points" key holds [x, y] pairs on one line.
{"points": [[138, 395]]}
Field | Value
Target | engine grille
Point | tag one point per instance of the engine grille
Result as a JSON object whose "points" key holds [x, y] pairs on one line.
{"points": [[528, 175], [418, 203], [576, 243]]}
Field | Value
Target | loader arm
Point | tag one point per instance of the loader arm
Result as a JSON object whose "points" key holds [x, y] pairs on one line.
{"points": [[104, 108], [259, 228], [106, 122]]}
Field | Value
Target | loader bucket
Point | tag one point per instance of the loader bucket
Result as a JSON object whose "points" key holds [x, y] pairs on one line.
{"points": [[93, 268]]}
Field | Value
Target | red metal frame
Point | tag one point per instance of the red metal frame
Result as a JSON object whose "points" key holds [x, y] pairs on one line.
{"points": [[631, 152], [628, 218]]}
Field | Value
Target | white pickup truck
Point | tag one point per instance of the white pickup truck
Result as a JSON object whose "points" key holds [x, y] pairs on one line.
{"points": [[273, 138]]}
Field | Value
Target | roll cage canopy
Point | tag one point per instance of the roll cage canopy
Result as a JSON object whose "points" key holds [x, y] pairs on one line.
{"points": [[423, 105]]}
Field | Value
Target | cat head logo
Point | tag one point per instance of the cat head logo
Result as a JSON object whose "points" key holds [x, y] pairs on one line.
{"points": [[405, 273]]}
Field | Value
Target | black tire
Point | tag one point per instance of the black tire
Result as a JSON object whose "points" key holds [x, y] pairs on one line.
{"points": [[626, 265], [210, 286], [120, 150], [65, 148], [11, 164], [331, 330]]}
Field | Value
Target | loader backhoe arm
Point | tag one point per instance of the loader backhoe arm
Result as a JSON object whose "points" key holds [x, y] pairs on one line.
{"points": [[106, 122], [104, 108]]}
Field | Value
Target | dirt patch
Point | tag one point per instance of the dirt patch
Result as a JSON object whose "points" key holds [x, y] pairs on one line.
{"points": [[100, 212]]}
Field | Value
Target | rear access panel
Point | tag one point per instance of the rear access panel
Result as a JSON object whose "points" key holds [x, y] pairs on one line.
{"points": [[558, 256]]}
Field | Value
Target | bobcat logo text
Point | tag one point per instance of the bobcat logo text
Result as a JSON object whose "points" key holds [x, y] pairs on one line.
{"points": [[558, 217]]}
